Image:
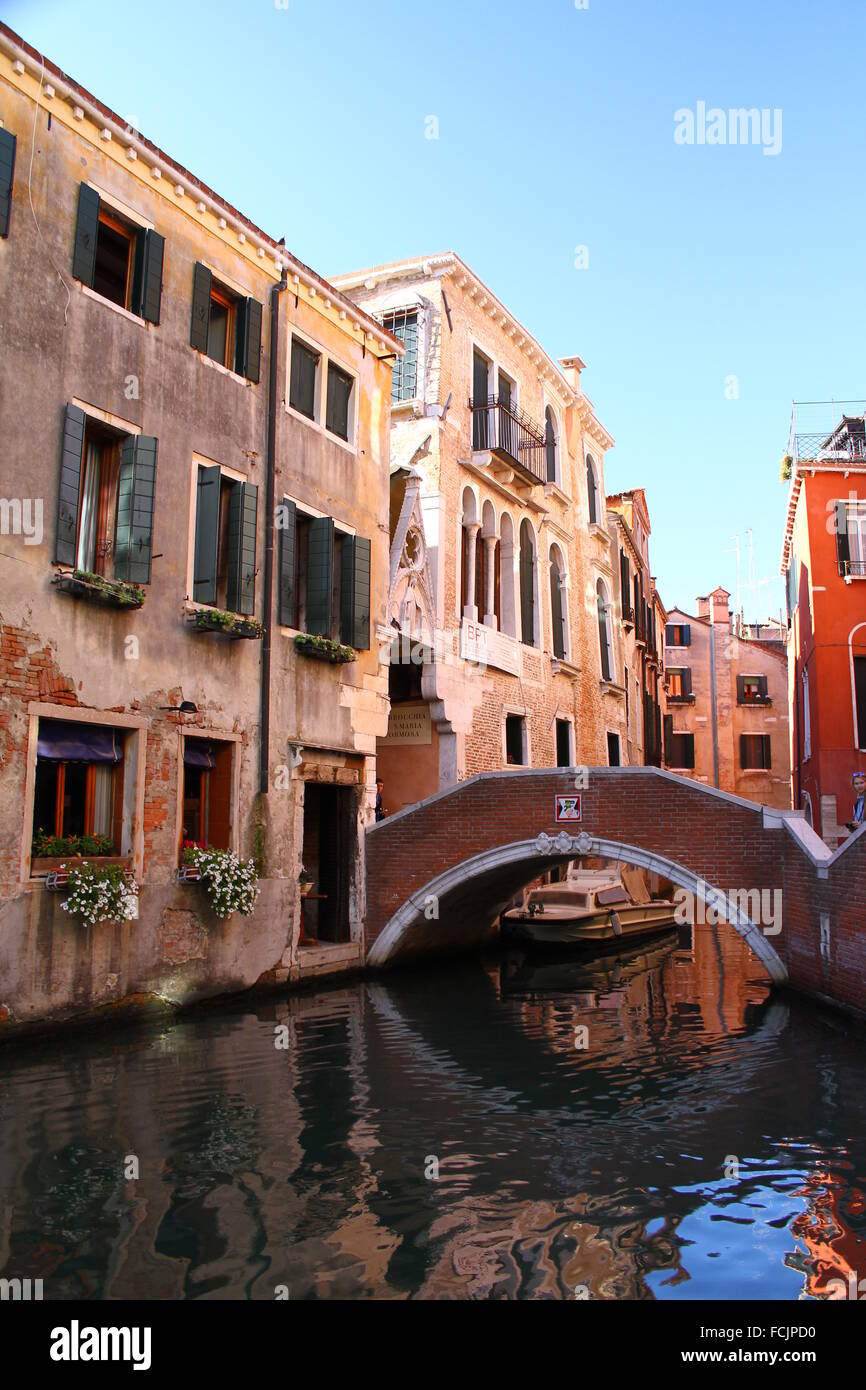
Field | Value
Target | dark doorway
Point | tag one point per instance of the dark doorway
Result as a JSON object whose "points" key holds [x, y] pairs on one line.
{"points": [[563, 743], [613, 750], [330, 818]]}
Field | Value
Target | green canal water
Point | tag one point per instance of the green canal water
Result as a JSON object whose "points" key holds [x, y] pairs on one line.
{"points": [[662, 1127]]}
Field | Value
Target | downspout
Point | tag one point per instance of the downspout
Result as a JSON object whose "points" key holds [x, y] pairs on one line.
{"points": [[270, 511], [713, 694]]}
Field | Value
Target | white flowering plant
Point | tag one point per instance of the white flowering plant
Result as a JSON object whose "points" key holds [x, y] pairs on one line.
{"points": [[232, 884], [101, 893]]}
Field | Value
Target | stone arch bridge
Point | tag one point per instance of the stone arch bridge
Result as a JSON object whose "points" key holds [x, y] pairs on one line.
{"points": [[438, 873]]}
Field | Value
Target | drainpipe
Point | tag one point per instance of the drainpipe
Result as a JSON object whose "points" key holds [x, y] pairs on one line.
{"points": [[713, 694], [270, 513]]}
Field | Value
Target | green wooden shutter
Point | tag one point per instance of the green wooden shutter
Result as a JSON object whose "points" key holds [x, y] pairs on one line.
{"points": [[133, 537], [320, 576], [687, 680], [249, 339], [744, 751], [337, 405], [69, 489], [355, 593], [669, 739], [687, 635], [843, 549], [241, 576], [86, 231], [302, 379], [741, 689], [288, 523], [150, 290], [201, 284], [762, 684], [207, 515], [7, 175], [556, 611]]}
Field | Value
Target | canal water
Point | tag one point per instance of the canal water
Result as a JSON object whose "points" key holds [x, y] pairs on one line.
{"points": [[663, 1127]]}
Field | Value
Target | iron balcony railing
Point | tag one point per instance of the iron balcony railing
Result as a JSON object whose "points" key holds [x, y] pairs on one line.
{"points": [[843, 446], [852, 569], [505, 430]]}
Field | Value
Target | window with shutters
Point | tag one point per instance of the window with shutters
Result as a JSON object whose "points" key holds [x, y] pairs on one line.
{"points": [[340, 402], [304, 379], [850, 527], [755, 751], [226, 326], [7, 176], [752, 690], [224, 556], [105, 499], [209, 811], [592, 494], [79, 787], [683, 751], [403, 324], [680, 684], [678, 635], [528, 586], [324, 578], [558, 605], [551, 447], [605, 636], [117, 258]]}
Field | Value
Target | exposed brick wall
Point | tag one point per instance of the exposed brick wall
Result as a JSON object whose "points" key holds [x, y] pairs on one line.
{"points": [[721, 841]]}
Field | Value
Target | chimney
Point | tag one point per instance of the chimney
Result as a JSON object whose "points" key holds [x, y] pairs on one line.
{"points": [[571, 369]]}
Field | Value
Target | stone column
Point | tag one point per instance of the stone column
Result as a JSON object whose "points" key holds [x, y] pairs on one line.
{"points": [[489, 570], [470, 612]]}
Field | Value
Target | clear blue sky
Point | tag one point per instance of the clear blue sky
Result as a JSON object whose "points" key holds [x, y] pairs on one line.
{"points": [[555, 130]]}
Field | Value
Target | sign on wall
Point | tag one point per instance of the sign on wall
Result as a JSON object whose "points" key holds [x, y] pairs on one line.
{"points": [[567, 808], [408, 724]]}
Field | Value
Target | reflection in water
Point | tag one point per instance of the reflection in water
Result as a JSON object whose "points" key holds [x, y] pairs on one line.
{"points": [[700, 1139]]}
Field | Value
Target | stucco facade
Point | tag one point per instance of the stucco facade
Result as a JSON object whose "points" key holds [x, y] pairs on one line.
{"points": [[641, 625], [127, 377], [824, 564], [726, 715], [499, 552]]}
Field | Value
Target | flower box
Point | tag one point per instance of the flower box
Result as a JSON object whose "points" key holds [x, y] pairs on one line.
{"points": [[188, 873], [50, 864], [235, 625], [58, 879], [114, 593], [324, 649]]}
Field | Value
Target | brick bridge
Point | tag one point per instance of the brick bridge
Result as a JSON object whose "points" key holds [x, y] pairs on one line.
{"points": [[439, 873]]}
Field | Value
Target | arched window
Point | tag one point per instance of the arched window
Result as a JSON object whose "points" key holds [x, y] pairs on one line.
{"points": [[507, 617], [527, 584], [550, 445], [470, 560], [489, 567], [592, 492], [558, 613], [604, 632]]}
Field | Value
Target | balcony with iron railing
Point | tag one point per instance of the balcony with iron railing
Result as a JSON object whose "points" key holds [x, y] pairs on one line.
{"points": [[502, 429], [841, 440], [851, 569]]}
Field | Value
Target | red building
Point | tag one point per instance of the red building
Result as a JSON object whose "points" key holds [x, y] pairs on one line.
{"points": [[824, 563]]}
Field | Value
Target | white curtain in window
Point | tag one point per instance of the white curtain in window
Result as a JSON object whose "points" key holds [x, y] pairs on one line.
{"points": [[85, 557], [102, 800]]}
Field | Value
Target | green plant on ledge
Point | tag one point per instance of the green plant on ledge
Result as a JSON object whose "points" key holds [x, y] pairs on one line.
{"points": [[785, 468], [209, 619], [117, 590], [47, 846], [101, 893], [232, 884], [325, 648]]}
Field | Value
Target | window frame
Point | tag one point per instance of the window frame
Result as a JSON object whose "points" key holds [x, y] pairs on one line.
{"points": [[235, 742], [134, 767], [318, 421]]}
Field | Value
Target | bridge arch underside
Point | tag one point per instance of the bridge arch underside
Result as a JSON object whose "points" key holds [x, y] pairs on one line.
{"points": [[458, 907]]}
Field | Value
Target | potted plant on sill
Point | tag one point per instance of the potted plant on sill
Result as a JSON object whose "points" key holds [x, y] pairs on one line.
{"points": [[116, 593], [231, 884], [100, 893], [227, 624], [324, 649], [306, 882], [50, 853]]}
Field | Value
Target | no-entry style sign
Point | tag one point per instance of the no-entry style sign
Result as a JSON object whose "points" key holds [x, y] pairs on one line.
{"points": [[567, 808]]}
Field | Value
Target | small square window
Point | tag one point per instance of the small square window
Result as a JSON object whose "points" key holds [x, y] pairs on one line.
{"points": [[339, 397], [304, 374]]}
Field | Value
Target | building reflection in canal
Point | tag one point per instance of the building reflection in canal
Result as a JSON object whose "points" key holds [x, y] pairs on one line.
{"points": [[701, 1138]]}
